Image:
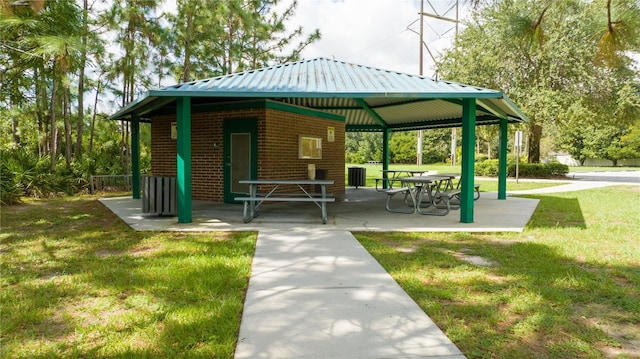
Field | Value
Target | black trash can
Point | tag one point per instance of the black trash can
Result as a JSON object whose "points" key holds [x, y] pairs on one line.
{"points": [[321, 174], [159, 195], [357, 176]]}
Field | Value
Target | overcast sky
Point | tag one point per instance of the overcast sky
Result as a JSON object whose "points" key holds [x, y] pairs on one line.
{"points": [[374, 32]]}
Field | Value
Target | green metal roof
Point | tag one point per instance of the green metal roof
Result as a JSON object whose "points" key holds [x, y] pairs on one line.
{"points": [[367, 97]]}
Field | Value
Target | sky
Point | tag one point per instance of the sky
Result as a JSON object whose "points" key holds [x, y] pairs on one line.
{"points": [[376, 33]]}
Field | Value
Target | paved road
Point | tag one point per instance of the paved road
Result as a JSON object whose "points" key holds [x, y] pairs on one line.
{"points": [[607, 176], [585, 180]]}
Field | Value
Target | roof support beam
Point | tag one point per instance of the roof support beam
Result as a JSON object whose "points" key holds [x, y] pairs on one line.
{"points": [[490, 107], [502, 160], [135, 155], [481, 106], [385, 156], [371, 112], [468, 149], [155, 104], [408, 102], [183, 117]]}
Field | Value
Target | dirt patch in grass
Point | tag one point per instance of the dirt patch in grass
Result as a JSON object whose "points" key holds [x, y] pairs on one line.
{"points": [[624, 330], [464, 254], [104, 253], [143, 251], [411, 249]]}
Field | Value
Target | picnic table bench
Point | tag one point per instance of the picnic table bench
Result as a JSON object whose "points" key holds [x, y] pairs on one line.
{"points": [[253, 201], [415, 189]]}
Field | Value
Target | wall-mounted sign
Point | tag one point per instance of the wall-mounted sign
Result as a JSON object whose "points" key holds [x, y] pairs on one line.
{"points": [[174, 130], [331, 134], [310, 147]]}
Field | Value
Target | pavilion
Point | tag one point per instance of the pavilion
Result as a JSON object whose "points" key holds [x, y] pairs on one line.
{"points": [[319, 95]]}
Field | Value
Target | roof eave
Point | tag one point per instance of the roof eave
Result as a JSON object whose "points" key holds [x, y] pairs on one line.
{"points": [[515, 109], [303, 94]]}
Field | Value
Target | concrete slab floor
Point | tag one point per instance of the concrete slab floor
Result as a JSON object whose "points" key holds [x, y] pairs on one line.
{"points": [[361, 209]]}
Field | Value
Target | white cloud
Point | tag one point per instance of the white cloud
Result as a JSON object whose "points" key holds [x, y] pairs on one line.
{"points": [[374, 32]]}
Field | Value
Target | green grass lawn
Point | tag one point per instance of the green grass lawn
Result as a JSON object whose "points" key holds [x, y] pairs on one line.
{"points": [[567, 287], [77, 282]]}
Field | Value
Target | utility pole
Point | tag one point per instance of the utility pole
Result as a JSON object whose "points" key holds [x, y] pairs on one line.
{"points": [[419, 146], [442, 17], [454, 140]]}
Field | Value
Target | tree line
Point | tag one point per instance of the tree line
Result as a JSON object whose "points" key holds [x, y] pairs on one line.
{"points": [[572, 66], [63, 62], [568, 64]]}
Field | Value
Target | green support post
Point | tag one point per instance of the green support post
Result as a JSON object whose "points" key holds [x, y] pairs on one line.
{"points": [[385, 156], [183, 117], [468, 159], [502, 160], [135, 156]]}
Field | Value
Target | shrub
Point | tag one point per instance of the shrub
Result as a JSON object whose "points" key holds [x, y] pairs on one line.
{"points": [[489, 168], [557, 169], [10, 191], [539, 170], [481, 157]]}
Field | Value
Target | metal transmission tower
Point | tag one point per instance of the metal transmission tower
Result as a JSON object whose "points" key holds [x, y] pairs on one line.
{"points": [[441, 17]]}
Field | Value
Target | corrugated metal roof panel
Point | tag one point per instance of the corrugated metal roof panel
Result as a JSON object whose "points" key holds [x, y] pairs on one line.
{"points": [[362, 94], [326, 78]]}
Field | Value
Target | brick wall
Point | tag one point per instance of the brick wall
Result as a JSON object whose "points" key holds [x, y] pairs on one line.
{"points": [[278, 133], [278, 156]]}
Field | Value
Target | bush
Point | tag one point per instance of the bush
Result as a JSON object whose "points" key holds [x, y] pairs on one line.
{"points": [[481, 157], [10, 191], [489, 168], [25, 174], [538, 170]]}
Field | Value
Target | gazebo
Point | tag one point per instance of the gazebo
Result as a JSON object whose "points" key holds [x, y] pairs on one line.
{"points": [[355, 97]]}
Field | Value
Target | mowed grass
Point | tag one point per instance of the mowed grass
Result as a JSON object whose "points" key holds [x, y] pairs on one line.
{"points": [[567, 287], [78, 282]]}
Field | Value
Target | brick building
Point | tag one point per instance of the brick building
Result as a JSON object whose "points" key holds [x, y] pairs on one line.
{"points": [[278, 131]]}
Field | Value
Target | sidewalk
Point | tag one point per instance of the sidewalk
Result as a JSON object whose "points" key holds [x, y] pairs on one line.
{"points": [[320, 294]]}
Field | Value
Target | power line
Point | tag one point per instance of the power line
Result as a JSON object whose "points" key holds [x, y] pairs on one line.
{"points": [[376, 44]]}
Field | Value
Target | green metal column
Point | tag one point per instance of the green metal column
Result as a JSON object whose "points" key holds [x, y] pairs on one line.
{"points": [[502, 160], [135, 155], [183, 117], [468, 159], [385, 156]]}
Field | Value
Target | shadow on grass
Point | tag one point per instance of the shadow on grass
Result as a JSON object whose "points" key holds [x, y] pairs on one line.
{"points": [[533, 302]]}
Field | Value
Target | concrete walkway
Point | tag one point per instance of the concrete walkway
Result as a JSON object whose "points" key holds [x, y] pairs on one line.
{"points": [[320, 294], [578, 181]]}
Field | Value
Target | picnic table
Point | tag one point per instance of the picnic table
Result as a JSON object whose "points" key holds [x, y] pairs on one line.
{"points": [[393, 176], [435, 188], [255, 199]]}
